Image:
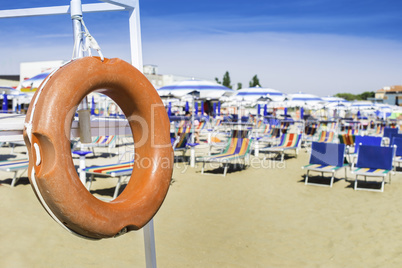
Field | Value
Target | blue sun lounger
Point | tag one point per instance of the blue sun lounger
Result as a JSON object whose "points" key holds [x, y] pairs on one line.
{"points": [[326, 158], [373, 161]]}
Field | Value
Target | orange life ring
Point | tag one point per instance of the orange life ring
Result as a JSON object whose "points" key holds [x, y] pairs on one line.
{"points": [[51, 168]]}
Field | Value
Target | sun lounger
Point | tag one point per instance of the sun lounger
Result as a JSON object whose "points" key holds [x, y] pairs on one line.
{"points": [[14, 166], [101, 141], [289, 141], [326, 136], [237, 150], [326, 158], [373, 161], [363, 140], [118, 170]]}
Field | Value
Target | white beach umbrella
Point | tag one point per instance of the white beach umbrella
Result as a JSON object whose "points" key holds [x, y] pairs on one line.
{"points": [[334, 99], [253, 94], [304, 100], [207, 89], [362, 105]]}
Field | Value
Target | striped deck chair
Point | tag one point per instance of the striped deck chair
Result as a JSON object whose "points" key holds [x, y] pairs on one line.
{"points": [[200, 126], [259, 124], [14, 166], [183, 129], [346, 139], [272, 136], [284, 126], [219, 146], [101, 141], [373, 161], [329, 126], [289, 141], [217, 123], [181, 143], [326, 158], [118, 170], [310, 130], [351, 131], [326, 136], [379, 131], [238, 149]]}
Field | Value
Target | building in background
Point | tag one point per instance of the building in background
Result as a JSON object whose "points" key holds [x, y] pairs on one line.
{"points": [[9, 80], [161, 80], [390, 95]]}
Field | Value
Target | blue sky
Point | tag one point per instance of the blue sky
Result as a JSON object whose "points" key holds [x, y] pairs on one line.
{"points": [[315, 46]]}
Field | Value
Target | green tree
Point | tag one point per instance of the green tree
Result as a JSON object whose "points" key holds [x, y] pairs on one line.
{"points": [[367, 94], [217, 80], [255, 82], [351, 97], [239, 86], [226, 80], [346, 96]]}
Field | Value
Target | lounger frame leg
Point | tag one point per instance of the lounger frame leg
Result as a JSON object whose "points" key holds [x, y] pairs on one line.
{"points": [[368, 189], [116, 190], [225, 168], [15, 179]]}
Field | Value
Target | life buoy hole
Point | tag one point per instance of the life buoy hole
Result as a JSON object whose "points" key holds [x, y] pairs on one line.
{"points": [[103, 148]]}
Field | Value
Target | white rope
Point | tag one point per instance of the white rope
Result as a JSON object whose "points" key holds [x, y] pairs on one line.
{"points": [[90, 42], [28, 128]]}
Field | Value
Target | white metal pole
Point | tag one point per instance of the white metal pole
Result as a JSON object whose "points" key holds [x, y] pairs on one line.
{"points": [[135, 37], [149, 243], [76, 15], [83, 111]]}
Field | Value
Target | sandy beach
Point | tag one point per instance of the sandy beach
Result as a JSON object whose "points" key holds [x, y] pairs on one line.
{"points": [[264, 216]]}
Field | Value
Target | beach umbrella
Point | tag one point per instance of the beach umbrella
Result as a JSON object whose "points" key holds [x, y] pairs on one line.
{"points": [[334, 99], [206, 89], [252, 94], [303, 99], [32, 84]]}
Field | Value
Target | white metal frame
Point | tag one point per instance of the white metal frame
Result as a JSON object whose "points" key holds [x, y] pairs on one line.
{"points": [[132, 6]]}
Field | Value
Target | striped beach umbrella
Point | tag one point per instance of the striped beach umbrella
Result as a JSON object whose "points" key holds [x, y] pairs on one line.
{"points": [[303, 99], [206, 89], [255, 93]]}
